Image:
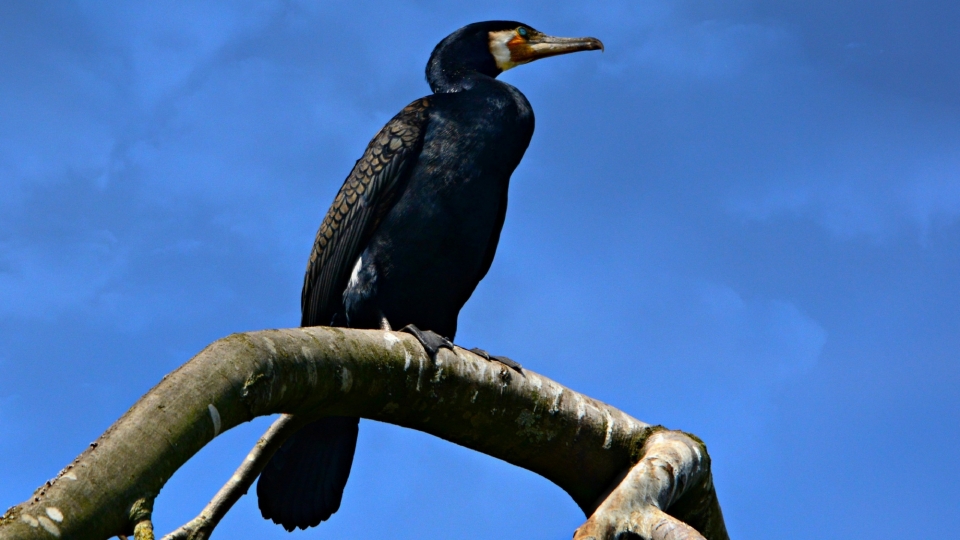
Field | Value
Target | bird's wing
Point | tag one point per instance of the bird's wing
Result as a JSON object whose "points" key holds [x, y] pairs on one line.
{"points": [[494, 237], [367, 194]]}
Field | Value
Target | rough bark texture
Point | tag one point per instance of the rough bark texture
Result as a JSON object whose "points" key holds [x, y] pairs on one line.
{"points": [[584, 446], [674, 474]]}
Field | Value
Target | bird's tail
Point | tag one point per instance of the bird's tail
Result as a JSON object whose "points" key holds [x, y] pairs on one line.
{"points": [[303, 483]]}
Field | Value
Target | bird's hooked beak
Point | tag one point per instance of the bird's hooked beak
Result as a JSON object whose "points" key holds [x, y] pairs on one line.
{"points": [[510, 48]]}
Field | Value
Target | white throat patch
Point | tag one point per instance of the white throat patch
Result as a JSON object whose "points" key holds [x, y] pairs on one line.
{"points": [[500, 50]]}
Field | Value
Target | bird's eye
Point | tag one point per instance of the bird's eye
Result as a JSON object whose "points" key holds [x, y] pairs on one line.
{"points": [[522, 31]]}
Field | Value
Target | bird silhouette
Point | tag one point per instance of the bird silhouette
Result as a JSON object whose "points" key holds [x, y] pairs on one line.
{"points": [[411, 233]]}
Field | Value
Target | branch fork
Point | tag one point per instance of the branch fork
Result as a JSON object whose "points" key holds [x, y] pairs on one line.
{"points": [[661, 482]]}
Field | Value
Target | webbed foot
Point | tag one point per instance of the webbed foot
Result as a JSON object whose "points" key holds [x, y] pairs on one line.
{"points": [[502, 359], [432, 342]]}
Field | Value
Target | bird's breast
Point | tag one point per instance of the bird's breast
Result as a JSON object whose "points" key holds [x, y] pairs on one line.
{"points": [[432, 248]]}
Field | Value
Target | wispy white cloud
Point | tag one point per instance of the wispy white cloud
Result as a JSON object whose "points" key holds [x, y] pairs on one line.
{"points": [[716, 49], [39, 283], [901, 187], [767, 340]]}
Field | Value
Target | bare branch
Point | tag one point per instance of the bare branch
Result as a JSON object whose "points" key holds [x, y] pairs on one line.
{"points": [[200, 527], [674, 467], [580, 444]]}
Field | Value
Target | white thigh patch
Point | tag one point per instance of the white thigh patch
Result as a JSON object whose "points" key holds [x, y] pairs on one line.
{"points": [[355, 274]]}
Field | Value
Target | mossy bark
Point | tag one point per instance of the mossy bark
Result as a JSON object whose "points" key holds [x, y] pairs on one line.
{"points": [[581, 444]]}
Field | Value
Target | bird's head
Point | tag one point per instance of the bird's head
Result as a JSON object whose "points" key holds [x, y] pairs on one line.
{"points": [[492, 47]]}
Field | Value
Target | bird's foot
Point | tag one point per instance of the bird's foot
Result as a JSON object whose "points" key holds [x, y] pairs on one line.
{"points": [[432, 342], [502, 359]]}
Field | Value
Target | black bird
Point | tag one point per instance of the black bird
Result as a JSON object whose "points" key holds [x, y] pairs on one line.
{"points": [[412, 232]]}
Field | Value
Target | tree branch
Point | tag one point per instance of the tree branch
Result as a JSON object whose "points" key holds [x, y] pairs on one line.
{"points": [[673, 474], [200, 527], [580, 444]]}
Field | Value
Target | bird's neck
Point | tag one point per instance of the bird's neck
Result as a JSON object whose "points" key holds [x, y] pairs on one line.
{"points": [[457, 66], [450, 81]]}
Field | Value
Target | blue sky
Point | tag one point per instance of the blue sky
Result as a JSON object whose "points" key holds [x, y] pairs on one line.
{"points": [[741, 220]]}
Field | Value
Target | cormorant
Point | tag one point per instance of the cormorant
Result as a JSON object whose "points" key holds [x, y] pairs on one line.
{"points": [[412, 232]]}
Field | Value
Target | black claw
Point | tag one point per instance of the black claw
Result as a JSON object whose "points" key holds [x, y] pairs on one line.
{"points": [[509, 363], [480, 352], [502, 359], [432, 342]]}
